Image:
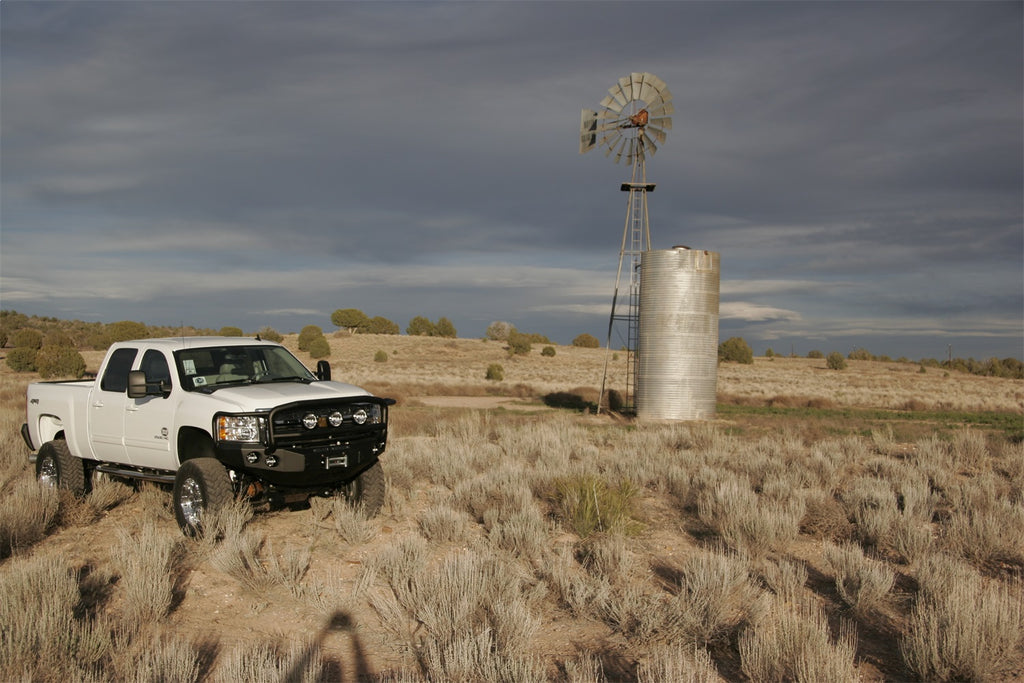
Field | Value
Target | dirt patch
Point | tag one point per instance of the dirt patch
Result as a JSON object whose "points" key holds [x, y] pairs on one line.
{"points": [[478, 402]]}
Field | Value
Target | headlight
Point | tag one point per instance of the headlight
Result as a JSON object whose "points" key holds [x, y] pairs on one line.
{"points": [[336, 419], [238, 428], [369, 414]]}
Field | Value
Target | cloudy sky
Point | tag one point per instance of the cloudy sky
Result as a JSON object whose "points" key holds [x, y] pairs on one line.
{"points": [[858, 166]]}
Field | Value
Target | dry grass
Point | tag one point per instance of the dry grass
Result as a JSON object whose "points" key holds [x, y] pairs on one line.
{"points": [[794, 643], [149, 562], [861, 582], [543, 544], [963, 627]]}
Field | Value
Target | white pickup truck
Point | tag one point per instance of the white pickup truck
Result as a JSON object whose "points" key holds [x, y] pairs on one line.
{"points": [[217, 418]]}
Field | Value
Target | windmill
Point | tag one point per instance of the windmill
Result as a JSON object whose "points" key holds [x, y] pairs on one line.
{"points": [[631, 123]]}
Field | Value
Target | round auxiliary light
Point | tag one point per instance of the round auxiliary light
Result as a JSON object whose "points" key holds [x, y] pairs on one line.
{"points": [[252, 457], [309, 421], [335, 418], [359, 416], [271, 461]]}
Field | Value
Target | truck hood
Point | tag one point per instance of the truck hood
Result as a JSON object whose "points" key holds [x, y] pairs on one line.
{"points": [[258, 397]]}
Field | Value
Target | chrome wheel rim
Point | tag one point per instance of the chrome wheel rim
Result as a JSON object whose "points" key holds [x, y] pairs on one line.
{"points": [[190, 502], [48, 471]]}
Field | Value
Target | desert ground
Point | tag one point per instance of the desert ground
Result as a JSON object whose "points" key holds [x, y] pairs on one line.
{"points": [[863, 524]]}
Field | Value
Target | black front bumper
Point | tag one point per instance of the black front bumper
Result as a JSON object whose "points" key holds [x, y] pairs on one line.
{"points": [[311, 467], [323, 456]]}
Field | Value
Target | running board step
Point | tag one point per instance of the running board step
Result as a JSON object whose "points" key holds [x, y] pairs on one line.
{"points": [[135, 474]]}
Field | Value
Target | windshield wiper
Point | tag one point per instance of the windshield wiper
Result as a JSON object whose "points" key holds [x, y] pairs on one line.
{"points": [[231, 383], [289, 378]]}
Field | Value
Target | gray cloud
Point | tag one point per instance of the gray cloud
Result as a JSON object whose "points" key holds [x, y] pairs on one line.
{"points": [[857, 165]]}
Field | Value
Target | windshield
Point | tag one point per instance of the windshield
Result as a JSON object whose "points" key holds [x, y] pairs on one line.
{"points": [[206, 368]]}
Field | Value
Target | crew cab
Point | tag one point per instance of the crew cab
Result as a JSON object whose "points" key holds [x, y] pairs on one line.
{"points": [[214, 417]]}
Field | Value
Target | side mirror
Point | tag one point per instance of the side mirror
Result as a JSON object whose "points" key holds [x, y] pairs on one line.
{"points": [[323, 370], [139, 387], [137, 384]]}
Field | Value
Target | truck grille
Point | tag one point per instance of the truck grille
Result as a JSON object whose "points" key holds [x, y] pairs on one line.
{"points": [[290, 426]]}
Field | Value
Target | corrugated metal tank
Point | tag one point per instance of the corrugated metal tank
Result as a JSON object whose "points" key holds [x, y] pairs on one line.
{"points": [[677, 374]]}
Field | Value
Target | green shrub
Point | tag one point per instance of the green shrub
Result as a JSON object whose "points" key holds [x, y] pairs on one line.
{"points": [[125, 330], [860, 354], [548, 351], [22, 359], [815, 354], [420, 327], [380, 325], [229, 331], [735, 350], [769, 353], [518, 344], [445, 328], [98, 341], [495, 372], [27, 338], [380, 357], [588, 504], [319, 348], [58, 338], [586, 341], [270, 334], [307, 335], [9, 322], [59, 361], [351, 319], [835, 361]]}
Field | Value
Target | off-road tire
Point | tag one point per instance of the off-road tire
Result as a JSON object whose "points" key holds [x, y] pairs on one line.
{"points": [[55, 466], [201, 486], [367, 490]]}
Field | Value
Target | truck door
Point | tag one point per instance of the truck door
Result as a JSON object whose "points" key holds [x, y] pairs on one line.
{"points": [[149, 420], [107, 407]]}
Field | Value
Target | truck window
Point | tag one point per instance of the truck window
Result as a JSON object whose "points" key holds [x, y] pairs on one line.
{"points": [[115, 377], [155, 366]]}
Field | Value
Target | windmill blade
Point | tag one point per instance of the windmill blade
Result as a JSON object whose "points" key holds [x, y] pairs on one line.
{"points": [[656, 83], [617, 94], [608, 114], [660, 122], [610, 147], [656, 97], [613, 103], [626, 85], [648, 93], [661, 109], [649, 143], [621, 148], [610, 140], [658, 134], [636, 82]]}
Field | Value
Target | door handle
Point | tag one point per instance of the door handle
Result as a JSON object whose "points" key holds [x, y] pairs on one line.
{"points": [[97, 404], [132, 408]]}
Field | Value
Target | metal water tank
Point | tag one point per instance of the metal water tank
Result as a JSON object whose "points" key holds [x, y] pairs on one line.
{"points": [[677, 374]]}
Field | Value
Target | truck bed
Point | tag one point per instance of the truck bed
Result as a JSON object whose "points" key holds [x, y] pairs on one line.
{"points": [[61, 406]]}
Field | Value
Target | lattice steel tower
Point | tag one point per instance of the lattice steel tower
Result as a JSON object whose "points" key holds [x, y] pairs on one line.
{"points": [[634, 114]]}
